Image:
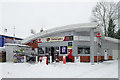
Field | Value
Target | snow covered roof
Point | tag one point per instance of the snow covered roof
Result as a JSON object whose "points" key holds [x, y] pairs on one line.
{"points": [[11, 44], [112, 39], [10, 36], [75, 27], [5, 34]]}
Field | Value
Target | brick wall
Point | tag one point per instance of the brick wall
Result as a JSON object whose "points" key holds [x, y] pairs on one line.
{"points": [[110, 57], [61, 58], [99, 58], [84, 58], [72, 58]]}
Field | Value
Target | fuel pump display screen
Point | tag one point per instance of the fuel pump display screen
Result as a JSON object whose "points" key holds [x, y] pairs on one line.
{"points": [[63, 49]]}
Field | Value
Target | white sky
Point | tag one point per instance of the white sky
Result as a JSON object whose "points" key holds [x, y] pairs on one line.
{"points": [[46, 14]]}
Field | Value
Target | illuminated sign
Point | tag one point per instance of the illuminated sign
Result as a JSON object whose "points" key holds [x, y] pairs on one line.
{"points": [[69, 43], [55, 39], [69, 47], [98, 35], [68, 38], [39, 40], [70, 52], [63, 49]]}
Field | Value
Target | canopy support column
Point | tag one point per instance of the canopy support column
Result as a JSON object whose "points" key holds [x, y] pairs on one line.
{"points": [[92, 46]]}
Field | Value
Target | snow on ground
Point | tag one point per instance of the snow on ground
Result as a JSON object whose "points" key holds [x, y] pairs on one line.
{"points": [[0, 71], [107, 69]]}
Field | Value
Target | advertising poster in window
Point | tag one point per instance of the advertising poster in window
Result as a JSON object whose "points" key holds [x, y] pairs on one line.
{"points": [[63, 49]]}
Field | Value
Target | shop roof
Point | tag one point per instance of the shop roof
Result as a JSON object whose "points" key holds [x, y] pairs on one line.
{"points": [[9, 36], [73, 27], [20, 45]]}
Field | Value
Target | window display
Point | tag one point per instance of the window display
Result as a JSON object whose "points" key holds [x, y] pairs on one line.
{"points": [[18, 56], [48, 50], [57, 55], [41, 50], [83, 50]]}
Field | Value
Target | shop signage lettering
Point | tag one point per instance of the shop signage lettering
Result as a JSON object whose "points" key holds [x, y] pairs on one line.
{"points": [[98, 35], [68, 38], [83, 38], [39, 40], [8, 40], [55, 39], [69, 47]]}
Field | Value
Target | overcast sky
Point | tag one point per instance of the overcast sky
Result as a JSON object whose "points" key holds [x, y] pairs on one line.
{"points": [[35, 15]]}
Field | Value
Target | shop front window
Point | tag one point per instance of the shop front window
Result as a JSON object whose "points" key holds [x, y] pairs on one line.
{"points": [[83, 50], [48, 50], [41, 50]]}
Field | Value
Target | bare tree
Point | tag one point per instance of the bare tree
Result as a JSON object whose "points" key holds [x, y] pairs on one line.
{"points": [[103, 12]]}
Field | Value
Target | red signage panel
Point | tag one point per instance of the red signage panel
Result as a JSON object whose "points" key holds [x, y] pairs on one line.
{"points": [[98, 35], [68, 38], [39, 40]]}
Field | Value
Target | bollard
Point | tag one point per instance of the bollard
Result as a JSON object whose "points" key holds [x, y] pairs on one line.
{"points": [[46, 60], [36, 59], [43, 60], [50, 59], [40, 59], [24, 59], [77, 59], [64, 59]]}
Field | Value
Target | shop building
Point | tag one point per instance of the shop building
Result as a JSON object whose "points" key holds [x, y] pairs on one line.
{"points": [[8, 39], [3, 40], [2, 54], [77, 41], [17, 53]]}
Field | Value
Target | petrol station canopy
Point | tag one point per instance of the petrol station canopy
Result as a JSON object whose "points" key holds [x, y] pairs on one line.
{"points": [[73, 27]]}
